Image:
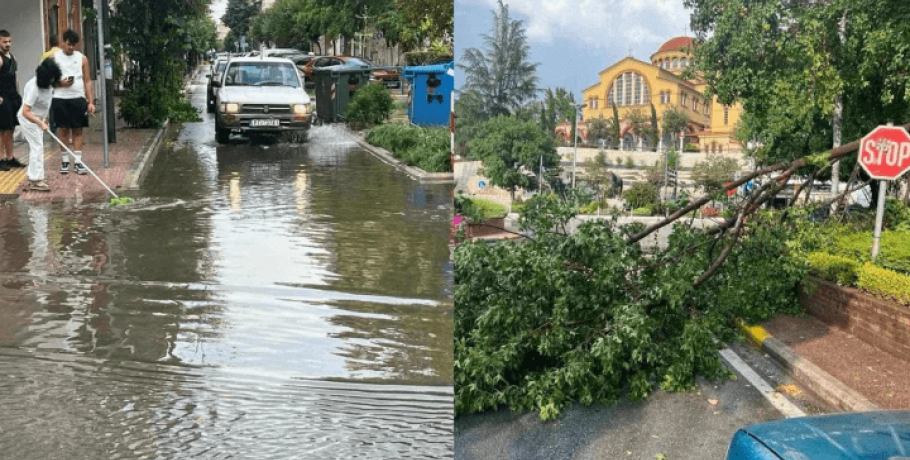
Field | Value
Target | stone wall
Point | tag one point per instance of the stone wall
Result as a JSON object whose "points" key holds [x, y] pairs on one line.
{"points": [[641, 159], [882, 324]]}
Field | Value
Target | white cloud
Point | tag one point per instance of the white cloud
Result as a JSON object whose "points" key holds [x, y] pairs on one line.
{"points": [[597, 23]]}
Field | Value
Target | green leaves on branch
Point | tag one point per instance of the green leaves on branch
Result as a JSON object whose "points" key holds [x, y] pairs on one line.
{"points": [[588, 317]]}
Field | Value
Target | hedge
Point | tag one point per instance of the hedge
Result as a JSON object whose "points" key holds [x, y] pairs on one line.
{"points": [[893, 254], [834, 268], [884, 282]]}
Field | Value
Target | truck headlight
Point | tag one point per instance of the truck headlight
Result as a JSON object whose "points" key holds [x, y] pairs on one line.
{"points": [[230, 108], [301, 109]]}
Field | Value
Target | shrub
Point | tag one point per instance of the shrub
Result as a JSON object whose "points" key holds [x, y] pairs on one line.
{"points": [[884, 282], [894, 253], [371, 105], [834, 268], [630, 163], [673, 159], [589, 208], [642, 194], [690, 148], [426, 148], [644, 211], [488, 209]]}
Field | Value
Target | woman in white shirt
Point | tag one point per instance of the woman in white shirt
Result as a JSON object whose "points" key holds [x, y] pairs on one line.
{"points": [[36, 102]]}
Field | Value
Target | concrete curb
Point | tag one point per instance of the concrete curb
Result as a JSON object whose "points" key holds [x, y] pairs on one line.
{"points": [[822, 384], [422, 176], [135, 175]]}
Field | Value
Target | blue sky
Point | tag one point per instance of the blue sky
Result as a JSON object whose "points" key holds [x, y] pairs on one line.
{"points": [[572, 51]]}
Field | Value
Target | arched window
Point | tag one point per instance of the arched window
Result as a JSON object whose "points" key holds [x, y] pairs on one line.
{"points": [[675, 63], [682, 63], [629, 88]]}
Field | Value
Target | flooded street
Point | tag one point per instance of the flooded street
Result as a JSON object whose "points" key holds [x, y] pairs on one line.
{"points": [[257, 300]]}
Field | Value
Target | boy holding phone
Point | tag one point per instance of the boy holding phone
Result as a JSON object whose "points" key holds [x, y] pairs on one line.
{"points": [[72, 100]]}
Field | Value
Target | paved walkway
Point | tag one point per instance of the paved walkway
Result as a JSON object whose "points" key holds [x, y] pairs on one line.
{"points": [[129, 158], [870, 378]]}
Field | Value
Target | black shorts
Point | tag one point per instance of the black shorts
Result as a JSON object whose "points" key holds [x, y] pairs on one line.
{"points": [[8, 110], [70, 113]]}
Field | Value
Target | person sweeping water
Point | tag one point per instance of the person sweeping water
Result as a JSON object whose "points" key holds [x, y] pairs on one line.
{"points": [[36, 103]]}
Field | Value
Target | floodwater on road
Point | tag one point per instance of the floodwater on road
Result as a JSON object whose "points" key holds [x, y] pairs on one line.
{"points": [[257, 300]]}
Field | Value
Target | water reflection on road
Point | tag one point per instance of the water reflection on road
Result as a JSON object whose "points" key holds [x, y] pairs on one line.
{"points": [[259, 300]]}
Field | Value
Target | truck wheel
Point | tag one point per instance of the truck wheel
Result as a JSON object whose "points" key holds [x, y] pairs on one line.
{"points": [[221, 134]]}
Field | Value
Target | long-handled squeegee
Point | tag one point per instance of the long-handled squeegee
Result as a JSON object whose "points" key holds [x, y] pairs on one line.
{"points": [[116, 199]]}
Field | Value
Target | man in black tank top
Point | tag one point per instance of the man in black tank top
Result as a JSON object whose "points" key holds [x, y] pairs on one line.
{"points": [[10, 100]]}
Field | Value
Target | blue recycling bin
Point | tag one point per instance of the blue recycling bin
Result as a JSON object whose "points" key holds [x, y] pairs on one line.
{"points": [[430, 98]]}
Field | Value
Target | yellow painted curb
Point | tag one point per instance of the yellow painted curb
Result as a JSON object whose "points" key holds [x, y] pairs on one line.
{"points": [[756, 334], [11, 180]]}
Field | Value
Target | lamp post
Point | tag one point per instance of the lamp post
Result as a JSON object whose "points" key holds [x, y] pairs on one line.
{"points": [[578, 107]]}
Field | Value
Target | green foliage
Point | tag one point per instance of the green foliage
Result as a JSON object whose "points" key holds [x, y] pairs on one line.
{"points": [[644, 211], [642, 194], [151, 38], [630, 163], [238, 14], [690, 148], [426, 148], [785, 62], [894, 252], [897, 215], [505, 144], [371, 105], [884, 282], [586, 317], [500, 75], [843, 270], [673, 159], [415, 58], [674, 121], [711, 173], [479, 209], [590, 208]]}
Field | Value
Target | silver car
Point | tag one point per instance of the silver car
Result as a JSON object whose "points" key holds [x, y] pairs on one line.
{"points": [[261, 95]]}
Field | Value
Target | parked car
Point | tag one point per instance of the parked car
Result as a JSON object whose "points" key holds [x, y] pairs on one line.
{"points": [[391, 78], [217, 68], [261, 95], [865, 435]]}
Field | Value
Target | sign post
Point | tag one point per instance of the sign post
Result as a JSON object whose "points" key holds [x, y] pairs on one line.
{"points": [[885, 155]]}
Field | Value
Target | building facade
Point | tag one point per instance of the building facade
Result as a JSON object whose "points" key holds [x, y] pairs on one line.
{"points": [[634, 85]]}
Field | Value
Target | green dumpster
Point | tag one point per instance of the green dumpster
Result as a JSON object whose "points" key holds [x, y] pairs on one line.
{"points": [[335, 86]]}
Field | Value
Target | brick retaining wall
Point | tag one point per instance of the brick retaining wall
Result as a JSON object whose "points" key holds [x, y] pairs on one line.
{"points": [[486, 228], [882, 324]]}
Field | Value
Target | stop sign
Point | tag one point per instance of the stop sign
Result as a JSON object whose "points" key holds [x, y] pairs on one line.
{"points": [[885, 152]]}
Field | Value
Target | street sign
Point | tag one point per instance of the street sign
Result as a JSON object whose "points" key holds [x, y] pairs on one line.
{"points": [[885, 152]]}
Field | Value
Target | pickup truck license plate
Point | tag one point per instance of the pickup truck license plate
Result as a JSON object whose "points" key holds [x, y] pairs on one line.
{"points": [[255, 123]]}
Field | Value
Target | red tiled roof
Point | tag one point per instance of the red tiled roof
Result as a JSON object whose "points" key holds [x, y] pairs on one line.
{"points": [[674, 44]]}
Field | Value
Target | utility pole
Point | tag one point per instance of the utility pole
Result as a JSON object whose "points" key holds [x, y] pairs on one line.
{"points": [[578, 108]]}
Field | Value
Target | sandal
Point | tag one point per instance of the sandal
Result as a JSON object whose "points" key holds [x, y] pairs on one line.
{"points": [[38, 186]]}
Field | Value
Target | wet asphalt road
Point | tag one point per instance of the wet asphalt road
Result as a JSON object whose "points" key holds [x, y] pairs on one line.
{"points": [[257, 300], [693, 425]]}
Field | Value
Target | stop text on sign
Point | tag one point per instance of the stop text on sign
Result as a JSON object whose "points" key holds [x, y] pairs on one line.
{"points": [[885, 152], [892, 153]]}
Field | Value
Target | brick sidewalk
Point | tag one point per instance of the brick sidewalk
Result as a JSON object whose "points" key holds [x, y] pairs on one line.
{"points": [[129, 157], [871, 372]]}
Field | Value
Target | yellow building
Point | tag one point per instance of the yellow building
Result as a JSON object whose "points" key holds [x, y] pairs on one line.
{"points": [[634, 85]]}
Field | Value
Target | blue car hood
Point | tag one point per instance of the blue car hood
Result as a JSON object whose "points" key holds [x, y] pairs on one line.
{"points": [[881, 435]]}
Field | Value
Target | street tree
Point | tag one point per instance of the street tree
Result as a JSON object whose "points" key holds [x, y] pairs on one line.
{"points": [[615, 128], [674, 122], [592, 317], [786, 64], [639, 122], [238, 14], [512, 151], [599, 128], [153, 39], [500, 74], [714, 171]]}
